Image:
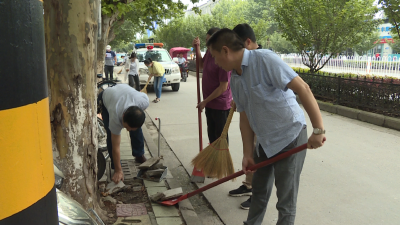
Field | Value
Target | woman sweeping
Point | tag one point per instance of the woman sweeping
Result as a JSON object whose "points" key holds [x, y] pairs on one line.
{"points": [[133, 74], [157, 71]]}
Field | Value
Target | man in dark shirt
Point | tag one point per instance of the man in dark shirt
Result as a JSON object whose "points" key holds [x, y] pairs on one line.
{"points": [[216, 91]]}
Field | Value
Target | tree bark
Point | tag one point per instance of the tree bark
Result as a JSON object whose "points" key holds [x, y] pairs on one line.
{"points": [[71, 40]]}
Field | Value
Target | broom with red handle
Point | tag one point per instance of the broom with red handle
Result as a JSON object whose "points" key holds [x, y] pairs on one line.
{"points": [[198, 175], [239, 173]]}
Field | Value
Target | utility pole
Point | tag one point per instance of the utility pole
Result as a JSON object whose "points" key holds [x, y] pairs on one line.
{"points": [[27, 192]]}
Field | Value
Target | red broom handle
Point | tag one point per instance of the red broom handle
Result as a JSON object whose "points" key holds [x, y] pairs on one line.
{"points": [[239, 173], [198, 58]]}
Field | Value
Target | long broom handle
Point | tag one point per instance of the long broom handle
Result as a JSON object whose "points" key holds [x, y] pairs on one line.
{"points": [[239, 173], [198, 57], [228, 122]]}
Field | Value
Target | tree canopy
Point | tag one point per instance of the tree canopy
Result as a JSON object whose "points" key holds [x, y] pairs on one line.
{"points": [[321, 28], [227, 13], [139, 15], [392, 11]]}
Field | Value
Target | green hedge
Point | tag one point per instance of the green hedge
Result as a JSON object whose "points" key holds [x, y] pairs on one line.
{"points": [[369, 93], [384, 79]]}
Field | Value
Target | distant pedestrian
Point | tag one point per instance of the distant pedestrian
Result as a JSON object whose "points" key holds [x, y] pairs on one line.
{"points": [[132, 69], [157, 71], [110, 61]]}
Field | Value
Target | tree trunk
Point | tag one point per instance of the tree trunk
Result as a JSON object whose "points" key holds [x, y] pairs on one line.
{"points": [[71, 38], [106, 23]]}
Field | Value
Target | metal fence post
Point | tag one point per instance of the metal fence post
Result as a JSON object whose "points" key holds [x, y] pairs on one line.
{"points": [[339, 80]]}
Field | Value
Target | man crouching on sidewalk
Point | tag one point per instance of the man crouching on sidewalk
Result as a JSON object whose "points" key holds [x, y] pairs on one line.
{"points": [[121, 107]]}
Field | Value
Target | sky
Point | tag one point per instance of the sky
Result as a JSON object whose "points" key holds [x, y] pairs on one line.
{"points": [[188, 2]]}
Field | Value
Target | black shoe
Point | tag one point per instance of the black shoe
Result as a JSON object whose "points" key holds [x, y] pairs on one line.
{"points": [[241, 191], [246, 204], [140, 159]]}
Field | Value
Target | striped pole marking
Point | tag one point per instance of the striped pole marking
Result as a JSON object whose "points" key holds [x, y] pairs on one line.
{"points": [[27, 192]]}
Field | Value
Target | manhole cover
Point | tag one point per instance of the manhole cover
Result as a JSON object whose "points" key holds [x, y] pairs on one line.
{"points": [[127, 210], [129, 169]]}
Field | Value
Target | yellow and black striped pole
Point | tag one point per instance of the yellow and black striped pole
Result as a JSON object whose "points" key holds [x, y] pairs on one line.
{"points": [[27, 192]]}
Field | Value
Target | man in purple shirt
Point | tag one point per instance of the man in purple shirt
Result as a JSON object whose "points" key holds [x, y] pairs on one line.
{"points": [[216, 90]]}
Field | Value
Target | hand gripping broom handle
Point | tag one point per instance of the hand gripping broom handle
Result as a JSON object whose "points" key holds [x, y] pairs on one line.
{"points": [[198, 58], [228, 122], [257, 166]]}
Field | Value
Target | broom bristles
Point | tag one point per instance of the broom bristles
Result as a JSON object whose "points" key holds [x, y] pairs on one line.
{"points": [[215, 160], [144, 90]]}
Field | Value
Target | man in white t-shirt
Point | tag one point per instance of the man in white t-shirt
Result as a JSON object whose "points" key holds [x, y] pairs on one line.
{"points": [[181, 60], [122, 107]]}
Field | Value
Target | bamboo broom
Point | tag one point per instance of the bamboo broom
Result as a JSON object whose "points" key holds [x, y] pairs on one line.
{"points": [[144, 90], [215, 160]]}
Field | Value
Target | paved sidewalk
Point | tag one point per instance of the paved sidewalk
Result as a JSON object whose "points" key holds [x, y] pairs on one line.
{"points": [[161, 215]]}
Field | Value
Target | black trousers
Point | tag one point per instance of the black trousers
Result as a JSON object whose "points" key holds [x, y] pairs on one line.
{"points": [[109, 70], [216, 120], [134, 81]]}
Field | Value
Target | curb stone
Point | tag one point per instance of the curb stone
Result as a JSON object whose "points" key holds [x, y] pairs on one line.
{"points": [[364, 116], [185, 207], [392, 123], [348, 112], [373, 118]]}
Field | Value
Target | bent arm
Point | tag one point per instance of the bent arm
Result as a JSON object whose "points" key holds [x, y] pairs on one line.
{"points": [[307, 100], [223, 86]]}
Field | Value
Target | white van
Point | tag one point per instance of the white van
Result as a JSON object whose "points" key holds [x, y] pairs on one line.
{"points": [[158, 54]]}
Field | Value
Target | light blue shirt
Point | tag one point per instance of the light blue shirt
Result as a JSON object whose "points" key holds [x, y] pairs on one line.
{"points": [[118, 99], [271, 108], [181, 60]]}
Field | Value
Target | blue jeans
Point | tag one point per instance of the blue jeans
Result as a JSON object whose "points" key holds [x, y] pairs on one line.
{"points": [[137, 139], [158, 85]]}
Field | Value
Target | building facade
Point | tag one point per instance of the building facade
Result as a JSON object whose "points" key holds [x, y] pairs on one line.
{"points": [[205, 8], [383, 49]]}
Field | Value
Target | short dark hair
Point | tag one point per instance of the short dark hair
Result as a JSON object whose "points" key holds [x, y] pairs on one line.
{"points": [[244, 31], [133, 55], [134, 117], [147, 61], [211, 31], [225, 37]]}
